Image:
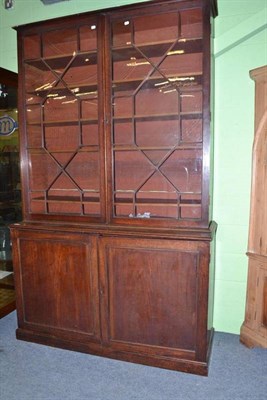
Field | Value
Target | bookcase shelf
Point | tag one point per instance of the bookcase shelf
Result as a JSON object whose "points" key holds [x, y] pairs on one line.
{"points": [[78, 59], [157, 49]]}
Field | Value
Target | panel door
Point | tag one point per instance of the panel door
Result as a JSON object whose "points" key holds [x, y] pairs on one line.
{"points": [[153, 296], [261, 310], [57, 284]]}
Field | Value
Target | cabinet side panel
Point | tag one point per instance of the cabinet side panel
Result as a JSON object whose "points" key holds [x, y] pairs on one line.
{"points": [[211, 284]]}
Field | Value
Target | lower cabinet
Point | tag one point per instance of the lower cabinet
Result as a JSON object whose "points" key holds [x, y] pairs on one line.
{"points": [[56, 280], [135, 299]]}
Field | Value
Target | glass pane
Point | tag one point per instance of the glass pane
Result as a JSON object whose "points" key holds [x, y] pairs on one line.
{"points": [[56, 43], [157, 134], [123, 133], [191, 206], [156, 28], [123, 106], [130, 65], [84, 170], [34, 114], [63, 189], [32, 47], [54, 207], [89, 108], [181, 66], [191, 101], [90, 135], [156, 102], [191, 23], [34, 136], [39, 81], [123, 210], [37, 204], [126, 161], [62, 117], [183, 169], [10, 196], [192, 130], [157, 116], [43, 170], [88, 37], [121, 31], [157, 211], [61, 109], [81, 73], [55, 135], [91, 203]]}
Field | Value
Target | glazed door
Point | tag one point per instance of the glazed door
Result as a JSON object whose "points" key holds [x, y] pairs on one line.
{"points": [[152, 296], [61, 67], [56, 276], [158, 141]]}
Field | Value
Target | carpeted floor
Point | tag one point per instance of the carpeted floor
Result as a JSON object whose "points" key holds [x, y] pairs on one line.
{"points": [[33, 372]]}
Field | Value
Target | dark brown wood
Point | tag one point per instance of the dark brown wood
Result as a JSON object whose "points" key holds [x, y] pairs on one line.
{"points": [[61, 297], [137, 306], [8, 77], [110, 132], [7, 293], [8, 303]]}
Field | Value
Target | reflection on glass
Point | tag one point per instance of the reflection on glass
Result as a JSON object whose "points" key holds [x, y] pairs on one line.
{"points": [[10, 193], [157, 115], [62, 117]]}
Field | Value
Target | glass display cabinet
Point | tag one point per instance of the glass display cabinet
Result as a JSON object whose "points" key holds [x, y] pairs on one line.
{"points": [[10, 201], [113, 256]]}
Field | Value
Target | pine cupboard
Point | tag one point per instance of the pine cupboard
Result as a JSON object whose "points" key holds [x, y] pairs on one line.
{"points": [[114, 254], [254, 328]]}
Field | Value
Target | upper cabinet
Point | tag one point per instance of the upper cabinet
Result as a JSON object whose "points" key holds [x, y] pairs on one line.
{"points": [[157, 102], [62, 142], [115, 107]]}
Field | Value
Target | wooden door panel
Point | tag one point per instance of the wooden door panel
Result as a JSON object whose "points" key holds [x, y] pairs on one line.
{"points": [[261, 310], [59, 283], [152, 292]]}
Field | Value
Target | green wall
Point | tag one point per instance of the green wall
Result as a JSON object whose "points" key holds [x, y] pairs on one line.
{"points": [[240, 45]]}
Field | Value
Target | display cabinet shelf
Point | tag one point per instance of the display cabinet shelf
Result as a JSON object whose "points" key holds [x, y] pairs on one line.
{"points": [[79, 149], [159, 117], [157, 49], [182, 146], [180, 81], [76, 59], [67, 199], [71, 90], [189, 203], [66, 122]]}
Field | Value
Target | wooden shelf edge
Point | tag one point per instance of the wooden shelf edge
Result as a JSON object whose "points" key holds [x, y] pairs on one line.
{"points": [[184, 233]]}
